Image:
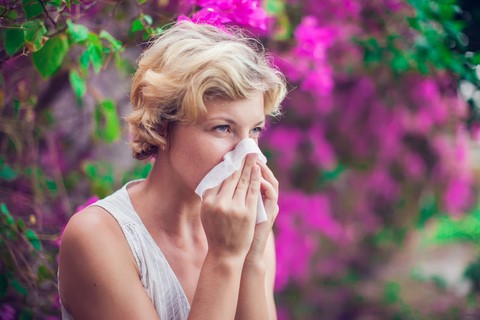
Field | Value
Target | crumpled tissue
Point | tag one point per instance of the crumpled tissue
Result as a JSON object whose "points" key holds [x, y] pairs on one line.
{"points": [[232, 161]]}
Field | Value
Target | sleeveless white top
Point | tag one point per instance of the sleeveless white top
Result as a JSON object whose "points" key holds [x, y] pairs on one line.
{"points": [[157, 276]]}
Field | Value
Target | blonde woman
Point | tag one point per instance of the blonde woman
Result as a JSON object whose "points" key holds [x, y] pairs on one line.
{"points": [[154, 249]]}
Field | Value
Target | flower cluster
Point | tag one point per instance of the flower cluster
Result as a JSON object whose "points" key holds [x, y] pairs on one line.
{"points": [[245, 13]]}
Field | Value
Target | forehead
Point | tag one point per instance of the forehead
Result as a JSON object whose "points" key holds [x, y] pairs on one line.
{"points": [[246, 109]]}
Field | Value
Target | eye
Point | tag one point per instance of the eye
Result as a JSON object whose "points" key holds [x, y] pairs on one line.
{"points": [[257, 131], [222, 128]]}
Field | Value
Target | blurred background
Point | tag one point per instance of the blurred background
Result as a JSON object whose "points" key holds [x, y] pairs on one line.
{"points": [[377, 151]]}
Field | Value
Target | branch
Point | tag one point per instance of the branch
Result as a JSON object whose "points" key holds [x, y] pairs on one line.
{"points": [[46, 12]]}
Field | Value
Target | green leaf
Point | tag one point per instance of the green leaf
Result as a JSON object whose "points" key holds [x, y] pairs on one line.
{"points": [[96, 58], [413, 23], [137, 25], [34, 32], [7, 173], [51, 186], [147, 19], [68, 3], [116, 44], [78, 84], [6, 213], [14, 40], [275, 7], [33, 239], [107, 122], [50, 58], [32, 8], [84, 59], [399, 63], [142, 1], [18, 287], [9, 14], [333, 174], [95, 54], [44, 273], [90, 170], [78, 32], [56, 3], [20, 224]]}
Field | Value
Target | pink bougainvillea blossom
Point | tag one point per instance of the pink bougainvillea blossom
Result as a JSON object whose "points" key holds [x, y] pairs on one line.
{"points": [[322, 153], [458, 195], [302, 218], [283, 142], [246, 13], [312, 47]]}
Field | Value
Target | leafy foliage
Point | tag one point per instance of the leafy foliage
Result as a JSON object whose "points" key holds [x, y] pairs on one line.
{"points": [[371, 149]]}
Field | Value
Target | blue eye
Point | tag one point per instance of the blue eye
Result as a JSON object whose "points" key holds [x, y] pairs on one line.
{"points": [[257, 131], [222, 128]]}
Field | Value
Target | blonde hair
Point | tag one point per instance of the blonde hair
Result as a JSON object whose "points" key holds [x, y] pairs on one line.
{"points": [[187, 65]]}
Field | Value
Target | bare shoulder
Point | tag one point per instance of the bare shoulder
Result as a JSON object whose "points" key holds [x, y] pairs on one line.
{"points": [[96, 267], [89, 225], [92, 233]]}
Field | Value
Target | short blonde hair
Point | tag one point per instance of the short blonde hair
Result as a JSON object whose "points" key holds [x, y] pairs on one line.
{"points": [[187, 65]]}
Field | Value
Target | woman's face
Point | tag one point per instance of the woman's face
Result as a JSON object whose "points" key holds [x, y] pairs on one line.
{"points": [[195, 149]]}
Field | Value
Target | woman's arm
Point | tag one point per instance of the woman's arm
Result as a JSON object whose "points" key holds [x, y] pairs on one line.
{"points": [[256, 300], [98, 274], [229, 222]]}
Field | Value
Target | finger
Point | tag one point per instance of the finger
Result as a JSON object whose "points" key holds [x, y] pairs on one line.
{"points": [[268, 191], [228, 186], [211, 193], [268, 175], [254, 188], [270, 199], [244, 181]]}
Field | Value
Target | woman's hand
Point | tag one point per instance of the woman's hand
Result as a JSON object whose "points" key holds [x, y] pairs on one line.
{"points": [[228, 211], [269, 191]]}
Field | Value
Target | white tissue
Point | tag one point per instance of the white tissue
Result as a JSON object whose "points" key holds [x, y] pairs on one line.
{"points": [[232, 161]]}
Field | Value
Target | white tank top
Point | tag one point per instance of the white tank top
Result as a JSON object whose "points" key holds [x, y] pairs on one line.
{"points": [[157, 276]]}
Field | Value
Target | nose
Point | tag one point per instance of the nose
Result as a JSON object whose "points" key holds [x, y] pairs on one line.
{"points": [[243, 135], [239, 137]]}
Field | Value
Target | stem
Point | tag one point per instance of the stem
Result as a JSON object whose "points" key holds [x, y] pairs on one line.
{"points": [[48, 15]]}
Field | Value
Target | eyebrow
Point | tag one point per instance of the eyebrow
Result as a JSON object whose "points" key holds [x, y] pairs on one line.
{"points": [[232, 121]]}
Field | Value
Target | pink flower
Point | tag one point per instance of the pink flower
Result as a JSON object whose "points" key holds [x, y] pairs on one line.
{"points": [[319, 81], [302, 217], [313, 41], [284, 143], [323, 154], [311, 50], [458, 195], [414, 166], [246, 13]]}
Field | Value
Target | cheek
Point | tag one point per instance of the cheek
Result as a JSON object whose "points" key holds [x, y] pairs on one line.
{"points": [[212, 154], [197, 159]]}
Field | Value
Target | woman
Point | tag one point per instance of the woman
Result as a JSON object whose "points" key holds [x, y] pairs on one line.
{"points": [[154, 249]]}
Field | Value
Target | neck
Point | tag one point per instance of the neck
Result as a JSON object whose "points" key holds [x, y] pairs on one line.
{"points": [[167, 205]]}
